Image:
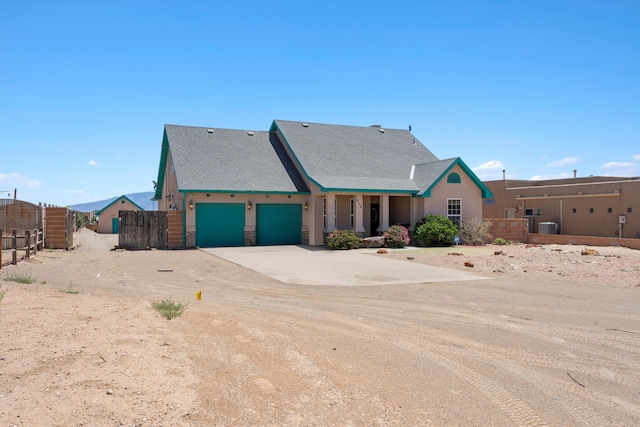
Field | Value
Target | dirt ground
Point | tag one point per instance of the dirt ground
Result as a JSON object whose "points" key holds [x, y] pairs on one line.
{"points": [[552, 339]]}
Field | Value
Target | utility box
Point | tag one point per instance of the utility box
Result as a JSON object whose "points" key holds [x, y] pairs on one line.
{"points": [[547, 228]]}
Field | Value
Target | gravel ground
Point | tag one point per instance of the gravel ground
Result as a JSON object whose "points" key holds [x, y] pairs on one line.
{"points": [[552, 339]]}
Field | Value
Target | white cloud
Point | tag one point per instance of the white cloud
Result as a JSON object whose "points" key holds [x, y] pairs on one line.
{"points": [[636, 157], [550, 176], [74, 191], [620, 168], [490, 165], [92, 163], [564, 162], [617, 165], [490, 170], [16, 180]]}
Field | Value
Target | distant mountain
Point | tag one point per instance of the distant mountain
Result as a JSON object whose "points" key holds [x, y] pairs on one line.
{"points": [[141, 199]]}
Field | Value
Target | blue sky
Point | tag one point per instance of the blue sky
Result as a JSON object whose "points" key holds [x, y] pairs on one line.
{"points": [[538, 88]]}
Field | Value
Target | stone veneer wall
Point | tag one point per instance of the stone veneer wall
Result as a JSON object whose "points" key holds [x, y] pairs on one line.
{"points": [[250, 237]]}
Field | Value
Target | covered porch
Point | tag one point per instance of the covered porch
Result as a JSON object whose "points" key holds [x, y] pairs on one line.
{"points": [[366, 214]]}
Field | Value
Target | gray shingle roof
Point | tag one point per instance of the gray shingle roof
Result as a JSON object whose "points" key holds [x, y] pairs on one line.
{"points": [[355, 157], [427, 173], [231, 160]]}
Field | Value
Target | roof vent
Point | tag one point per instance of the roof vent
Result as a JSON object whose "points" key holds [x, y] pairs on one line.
{"points": [[381, 130], [250, 133], [305, 125], [210, 130]]}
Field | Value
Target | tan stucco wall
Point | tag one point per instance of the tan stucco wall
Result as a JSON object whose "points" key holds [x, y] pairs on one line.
{"points": [[106, 217], [467, 191], [171, 199], [558, 198]]}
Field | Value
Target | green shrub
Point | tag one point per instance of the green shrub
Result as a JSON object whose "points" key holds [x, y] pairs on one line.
{"points": [[473, 231], [168, 308], [396, 236], [25, 278], [343, 239], [436, 230], [499, 241]]}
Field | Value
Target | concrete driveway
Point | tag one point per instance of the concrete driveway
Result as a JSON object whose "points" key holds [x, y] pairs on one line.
{"points": [[309, 265]]}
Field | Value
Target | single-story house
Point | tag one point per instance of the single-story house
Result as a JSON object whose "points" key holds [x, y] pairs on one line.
{"points": [[601, 206], [108, 217], [297, 182]]}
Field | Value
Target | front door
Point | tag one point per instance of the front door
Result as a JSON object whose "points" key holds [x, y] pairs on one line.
{"points": [[375, 218], [115, 225]]}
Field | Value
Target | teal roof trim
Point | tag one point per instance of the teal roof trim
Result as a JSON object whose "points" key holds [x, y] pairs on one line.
{"points": [[163, 166], [486, 193], [368, 190], [117, 200], [244, 192]]}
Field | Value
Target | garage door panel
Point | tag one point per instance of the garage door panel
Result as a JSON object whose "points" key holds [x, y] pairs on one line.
{"points": [[220, 224], [278, 224]]}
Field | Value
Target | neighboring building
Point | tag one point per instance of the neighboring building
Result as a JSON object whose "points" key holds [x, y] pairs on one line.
{"points": [[299, 181], [600, 206], [108, 217]]}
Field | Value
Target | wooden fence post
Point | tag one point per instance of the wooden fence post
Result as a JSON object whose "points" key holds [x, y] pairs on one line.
{"points": [[27, 249], [1, 245], [14, 253]]}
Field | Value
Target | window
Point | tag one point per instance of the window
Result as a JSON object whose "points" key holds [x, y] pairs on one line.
{"points": [[453, 178], [573, 210], [629, 210], [533, 212], [609, 210], [590, 210], [324, 213], [454, 210], [352, 208]]}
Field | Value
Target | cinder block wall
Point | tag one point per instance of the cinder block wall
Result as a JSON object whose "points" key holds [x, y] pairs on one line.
{"points": [[510, 229]]}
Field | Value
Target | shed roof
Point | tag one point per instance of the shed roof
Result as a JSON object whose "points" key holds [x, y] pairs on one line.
{"points": [[117, 200]]}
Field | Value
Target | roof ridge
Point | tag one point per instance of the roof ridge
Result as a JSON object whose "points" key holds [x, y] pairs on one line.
{"points": [[214, 128], [339, 125]]}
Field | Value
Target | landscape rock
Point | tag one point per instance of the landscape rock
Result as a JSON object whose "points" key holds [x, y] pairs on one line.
{"points": [[373, 242], [587, 251]]}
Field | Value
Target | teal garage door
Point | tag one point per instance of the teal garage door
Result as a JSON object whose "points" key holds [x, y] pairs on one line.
{"points": [[278, 224], [219, 224]]}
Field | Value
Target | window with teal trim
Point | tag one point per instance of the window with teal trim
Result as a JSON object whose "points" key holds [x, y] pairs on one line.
{"points": [[453, 178]]}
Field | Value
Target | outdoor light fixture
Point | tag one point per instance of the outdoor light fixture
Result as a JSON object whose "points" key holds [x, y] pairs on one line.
{"points": [[249, 205], [190, 204], [306, 205]]}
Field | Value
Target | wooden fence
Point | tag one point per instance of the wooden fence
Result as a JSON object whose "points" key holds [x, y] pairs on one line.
{"points": [[150, 229], [59, 227], [30, 242]]}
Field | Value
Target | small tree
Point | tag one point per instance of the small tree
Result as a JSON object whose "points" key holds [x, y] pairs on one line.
{"points": [[436, 230], [473, 231], [396, 236]]}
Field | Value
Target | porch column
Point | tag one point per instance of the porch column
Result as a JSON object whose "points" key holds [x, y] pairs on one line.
{"points": [[384, 213], [331, 212], [359, 213]]}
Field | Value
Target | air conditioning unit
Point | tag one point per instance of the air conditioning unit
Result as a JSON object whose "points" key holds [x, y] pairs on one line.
{"points": [[547, 228]]}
